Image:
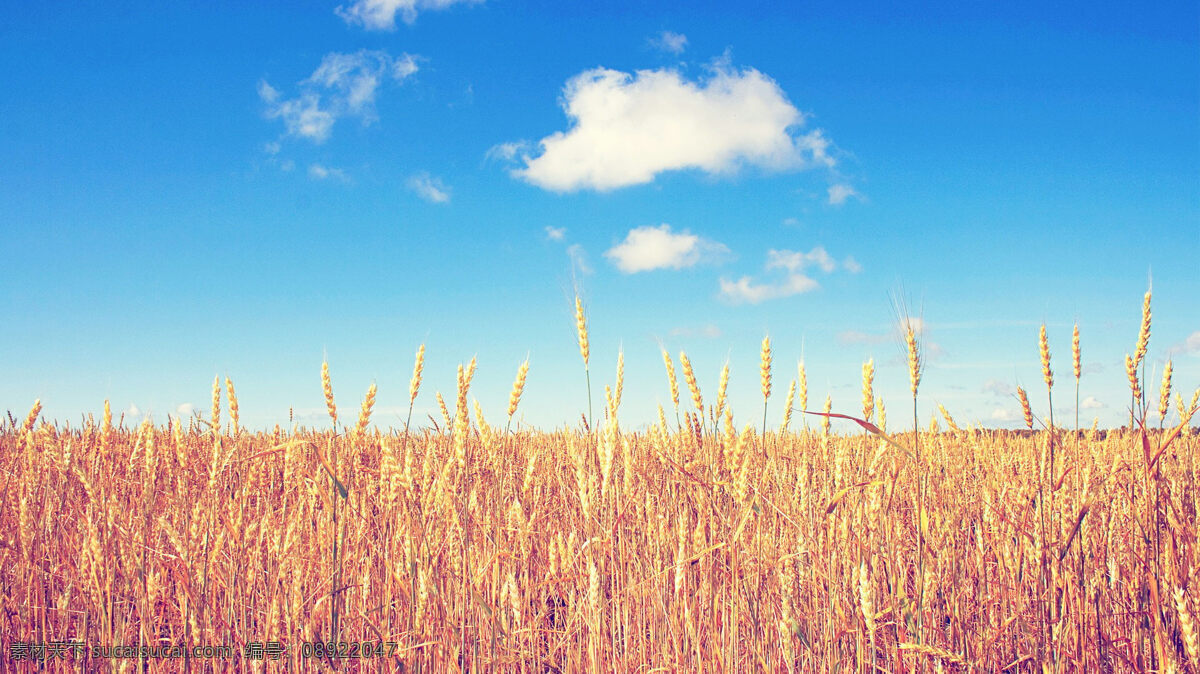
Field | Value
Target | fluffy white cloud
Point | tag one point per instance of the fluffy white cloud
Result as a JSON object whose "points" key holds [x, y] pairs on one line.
{"points": [[628, 128], [556, 233], [381, 14], [1091, 403], [647, 248], [319, 172], [851, 265], [839, 193], [343, 85], [670, 41], [429, 188], [185, 410], [132, 411]]}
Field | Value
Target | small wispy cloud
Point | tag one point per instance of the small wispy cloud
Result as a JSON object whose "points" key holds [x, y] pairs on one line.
{"points": [[320, 172], [999, 388], [670, 42], [796, 279], [132, 411], [1191, 345], [791, 222], [556, 233], [1091, 403], [579, 259], [381, 14], [343, 85], [851, 265], [648, 248], [840, 192], [429, 188], [185, 409], [746, 291], [506, 151], [1005, 414]]}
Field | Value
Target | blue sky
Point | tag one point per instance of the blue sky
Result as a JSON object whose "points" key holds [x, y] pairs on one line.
{"points": [[192, 189]]}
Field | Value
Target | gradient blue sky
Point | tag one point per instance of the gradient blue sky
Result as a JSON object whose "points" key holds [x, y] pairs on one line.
{"points": [[191, 189]]}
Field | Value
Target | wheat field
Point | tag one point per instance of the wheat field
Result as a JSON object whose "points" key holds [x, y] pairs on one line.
{"points": [[712, 541]]}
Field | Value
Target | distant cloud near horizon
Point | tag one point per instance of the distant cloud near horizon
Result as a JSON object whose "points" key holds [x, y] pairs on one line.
{"points": [[628, 128], [381, 14]]}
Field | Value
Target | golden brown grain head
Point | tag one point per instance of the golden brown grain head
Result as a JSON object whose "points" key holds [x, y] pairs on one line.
{"points": [[216, 405], [1026, 411], [1044, 352], [1164, 392], [414, 385], [671, 380], [913, 347], [327, 387], [518, 387], [620, 377], [787, 408], [689, 376], [1075, 362], [828, 408], [1131, 372], [764, 367], [364, 414], [1143, 332], [581, 330], [234, 417], [868, 394], [32, 417], [722, 385], [803, 383]]}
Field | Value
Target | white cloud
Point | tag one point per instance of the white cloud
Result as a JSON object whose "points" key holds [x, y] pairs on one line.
{"points": [[132, 411], [670, 41], [381, 14], [851, 265], [795, 261], [648, 248], [1004, 414], [746, 291], [1190, 345], [319, 172], [185, 410], [791, 222], [556, 233], [429, 188], [1090, 403], [272, 148], [998, 387], [795, 281], [839, 193], [343, 85], [506, 151], [579, 259], [626, 129]]}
